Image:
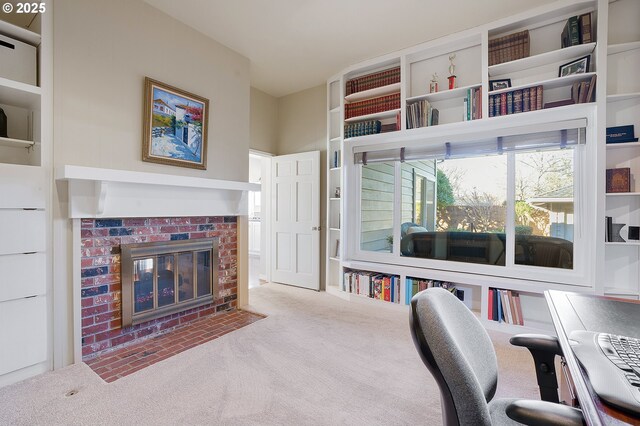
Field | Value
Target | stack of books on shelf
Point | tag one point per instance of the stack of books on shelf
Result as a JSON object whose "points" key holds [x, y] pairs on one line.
{"points": [[372, 106], [581, 92], [374, 80], [362, 128], [373, 285], [515, 101], [421, 114], [473, 104], [577, 30], [504, 306], [416, 285], [509, 48]]}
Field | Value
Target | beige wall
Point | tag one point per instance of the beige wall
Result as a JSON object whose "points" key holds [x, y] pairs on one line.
{"points": [[264, 122], [302, 126], [103, 50]]}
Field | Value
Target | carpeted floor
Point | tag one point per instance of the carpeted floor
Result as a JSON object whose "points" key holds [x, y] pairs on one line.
{"points": [[315, 360]]}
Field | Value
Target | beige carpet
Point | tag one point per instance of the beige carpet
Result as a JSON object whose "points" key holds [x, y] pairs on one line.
{"points": [[316, 359]]}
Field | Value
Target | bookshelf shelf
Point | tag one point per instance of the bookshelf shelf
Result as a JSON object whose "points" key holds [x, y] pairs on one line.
{"points": [[20, 94], [627, 243], [335, 259], [623, 145], [552, 83], [336, 139], [334, 229], [378, 115], [547, 58], [334, 199], [335, 110], [623, 97], [16, 143], [614, 49], [458, 92], [373, 93], [333, 169]]}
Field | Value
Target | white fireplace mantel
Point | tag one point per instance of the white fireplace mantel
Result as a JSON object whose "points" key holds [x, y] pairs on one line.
{"points": [[95, 193]]}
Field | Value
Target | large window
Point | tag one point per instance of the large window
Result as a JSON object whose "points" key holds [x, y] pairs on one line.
{"points": [[512, 206]]}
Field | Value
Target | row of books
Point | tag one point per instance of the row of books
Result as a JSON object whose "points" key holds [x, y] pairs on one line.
{"points": [[473, 104], [335, 159], [373, 285], [516, 101], [421, 114], [584, 91], [371, 81], [509, 48], [577, 30], [372, 106], [504, 306], [362, 128], [416, 285]]}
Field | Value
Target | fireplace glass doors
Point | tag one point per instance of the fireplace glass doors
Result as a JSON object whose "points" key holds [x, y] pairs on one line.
{"points": [[163, 278]]}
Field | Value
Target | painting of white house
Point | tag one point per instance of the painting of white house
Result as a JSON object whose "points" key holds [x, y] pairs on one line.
{"points": [[176, 128]]}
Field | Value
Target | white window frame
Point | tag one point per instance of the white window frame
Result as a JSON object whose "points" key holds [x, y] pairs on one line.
{"points": [[583, 272]]}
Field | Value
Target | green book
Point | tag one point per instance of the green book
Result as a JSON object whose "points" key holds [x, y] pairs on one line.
{"points": [[574, 31]]}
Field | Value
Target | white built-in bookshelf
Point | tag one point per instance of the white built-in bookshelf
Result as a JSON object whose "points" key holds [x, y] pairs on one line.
{"points": [[612, 268], [25, 206]]}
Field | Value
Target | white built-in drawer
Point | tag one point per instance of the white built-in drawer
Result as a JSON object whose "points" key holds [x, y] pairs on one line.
{"points": [[23, 333], [22, 275], [22, 231], [22, 187]]}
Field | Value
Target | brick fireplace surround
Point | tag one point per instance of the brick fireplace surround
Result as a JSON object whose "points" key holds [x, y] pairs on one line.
{"points": [[101, 287]]}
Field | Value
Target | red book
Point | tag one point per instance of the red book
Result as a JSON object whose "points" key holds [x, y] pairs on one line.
{"points": [[387, 288]]}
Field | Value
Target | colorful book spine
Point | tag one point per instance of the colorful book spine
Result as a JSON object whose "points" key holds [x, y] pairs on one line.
{"points": [[375, 286]]}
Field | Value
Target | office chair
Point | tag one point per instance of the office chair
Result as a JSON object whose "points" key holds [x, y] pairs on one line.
{"points": [[458, 352]]}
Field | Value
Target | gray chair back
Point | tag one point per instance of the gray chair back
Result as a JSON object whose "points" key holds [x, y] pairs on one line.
{"points": [[458, 352]]}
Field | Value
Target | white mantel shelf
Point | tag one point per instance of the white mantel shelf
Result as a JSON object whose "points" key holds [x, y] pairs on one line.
{"points": [[95, 192]]}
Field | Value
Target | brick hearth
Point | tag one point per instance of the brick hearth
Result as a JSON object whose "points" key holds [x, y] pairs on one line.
{"points": [[101, 287], [124, 361]]}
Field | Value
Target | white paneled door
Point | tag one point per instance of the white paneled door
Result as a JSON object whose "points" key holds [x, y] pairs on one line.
{"points": [[295, 229]]}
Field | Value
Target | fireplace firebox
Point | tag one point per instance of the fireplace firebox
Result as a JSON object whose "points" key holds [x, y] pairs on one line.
{"points": [[166, 277]]}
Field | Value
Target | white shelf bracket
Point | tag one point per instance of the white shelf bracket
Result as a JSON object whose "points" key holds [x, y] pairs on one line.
{"points": [[101, 196]]}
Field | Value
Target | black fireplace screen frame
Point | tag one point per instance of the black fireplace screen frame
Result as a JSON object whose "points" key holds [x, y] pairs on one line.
{"points": [[139, 251]]}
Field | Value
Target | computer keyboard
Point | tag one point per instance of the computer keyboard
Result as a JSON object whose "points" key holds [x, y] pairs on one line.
{"points": [[613, 365]]}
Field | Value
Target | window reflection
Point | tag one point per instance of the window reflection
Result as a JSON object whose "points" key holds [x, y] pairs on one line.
{"points": [[376, 226]]}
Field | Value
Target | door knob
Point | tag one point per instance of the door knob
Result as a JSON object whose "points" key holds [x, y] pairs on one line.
{"points": [[316, 228]]}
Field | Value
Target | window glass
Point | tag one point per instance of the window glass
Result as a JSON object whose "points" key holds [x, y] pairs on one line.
{"points": [[376, 202], [544, 208], [464, 213]]}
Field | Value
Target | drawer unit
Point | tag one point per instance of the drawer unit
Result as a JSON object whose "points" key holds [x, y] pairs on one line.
{"points": [[22, 231], [22, 186], [23, 333], [22, 275]]}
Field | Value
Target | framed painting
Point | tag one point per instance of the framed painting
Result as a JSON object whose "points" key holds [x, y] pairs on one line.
{"points": [[175, 126]]}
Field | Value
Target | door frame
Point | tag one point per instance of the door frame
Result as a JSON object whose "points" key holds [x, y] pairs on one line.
{"points": [[265, 214]]}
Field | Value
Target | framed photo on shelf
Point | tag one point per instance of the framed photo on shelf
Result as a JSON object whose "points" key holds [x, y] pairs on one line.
{"points": [[499, 84], [578, 66], [175, 126]]}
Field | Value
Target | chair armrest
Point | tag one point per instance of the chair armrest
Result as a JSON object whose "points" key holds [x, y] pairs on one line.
{"points": [[539, 342], [541, 413]]}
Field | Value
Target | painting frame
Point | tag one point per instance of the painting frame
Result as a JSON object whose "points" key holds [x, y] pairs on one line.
{"points": [[174, 134], [577, 66], [503, 83]]}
